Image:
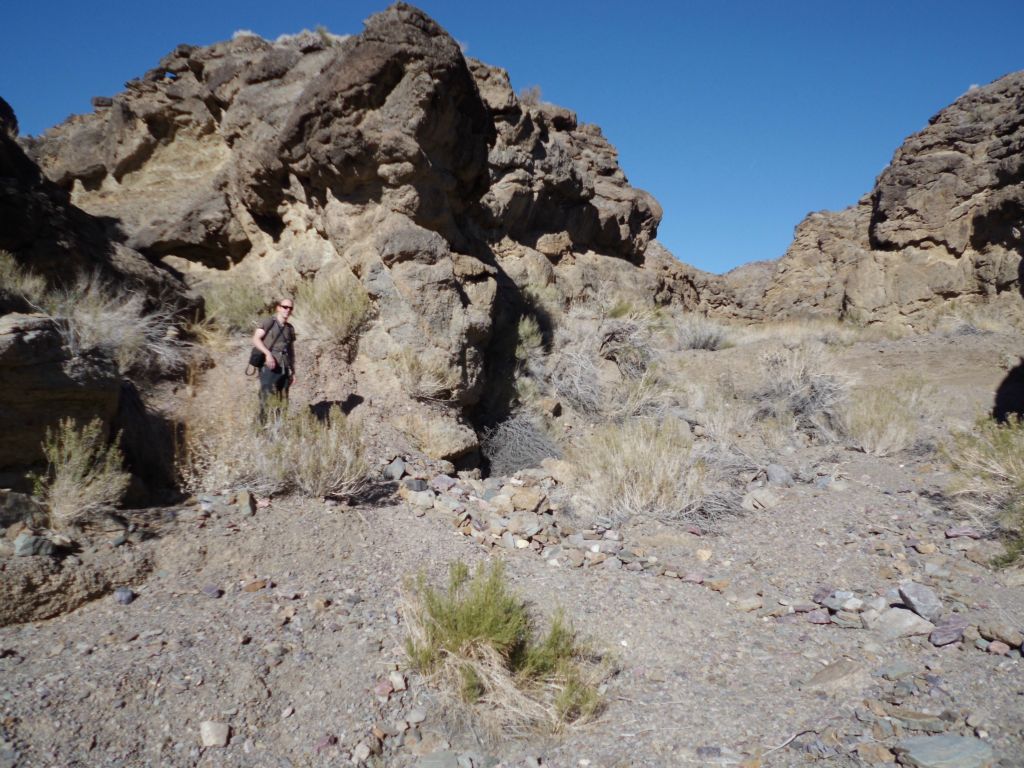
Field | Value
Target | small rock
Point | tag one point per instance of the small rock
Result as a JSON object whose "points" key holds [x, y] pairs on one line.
{"points": [[949, 630], [998, 648], [945, 751], [124, 595], [397, 680], [394, 470], [246, 503], [962, 531], [760, 498], [361, 753], [703, 555], [214, 734], [443, 759], [416, 716], [1001, 631], [415, 484], [898, 622], [874, 753], [779, 475], [28, 545], [213, 591], [921, 600]]}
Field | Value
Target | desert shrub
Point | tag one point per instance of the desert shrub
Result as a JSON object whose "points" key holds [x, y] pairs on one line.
{"points": [[335, 307], [94, 315], [626, 342], [698, 332], [517, 443], [640, 467], [529, 340], [225, 447], [84, 473], [801, 384], [883, 421], [327, 456], [20, 281], [530, 97], [574, 379], [425, 376], [725, 417], [989, 467], [236, 303], [478, 642], [651, 395]]}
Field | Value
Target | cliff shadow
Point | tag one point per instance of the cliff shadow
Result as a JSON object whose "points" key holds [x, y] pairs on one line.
{"points": [[1009, 399]]}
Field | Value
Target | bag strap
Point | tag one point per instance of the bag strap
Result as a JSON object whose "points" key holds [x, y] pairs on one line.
{"points": [[280, 331]]}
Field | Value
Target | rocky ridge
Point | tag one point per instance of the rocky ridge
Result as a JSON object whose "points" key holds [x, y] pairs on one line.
{"points": [[943, 224]]}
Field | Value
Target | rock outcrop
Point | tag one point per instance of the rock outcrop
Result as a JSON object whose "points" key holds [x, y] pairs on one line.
{"points": [[387, 155], [944, 221]]}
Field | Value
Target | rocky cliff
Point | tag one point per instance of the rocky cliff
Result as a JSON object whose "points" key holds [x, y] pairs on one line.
{"points": [[386, 156], [943, 222]]}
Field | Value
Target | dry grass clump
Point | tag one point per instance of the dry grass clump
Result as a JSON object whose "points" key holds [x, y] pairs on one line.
{"points": [[425, 376], [478, 643], [816, 330], [574, 379], [225, 447], [84, 472], [801, 383], [335, 307], [641, 467], [989, 463], [22, 282], [236, 303], [518, 442], [626, 342], [693, 331], [94, 315], [883, 421]]}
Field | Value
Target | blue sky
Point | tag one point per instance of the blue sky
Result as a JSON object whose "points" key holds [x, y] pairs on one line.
{"points": [[739, 117]]}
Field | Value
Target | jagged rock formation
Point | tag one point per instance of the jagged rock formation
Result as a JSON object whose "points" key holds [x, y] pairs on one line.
{"points": [[944, 221], [387, 155]]}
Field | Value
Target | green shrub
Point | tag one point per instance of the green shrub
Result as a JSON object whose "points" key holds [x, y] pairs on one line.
{"points": [[476, 639], [84, 473], [989, 466]]}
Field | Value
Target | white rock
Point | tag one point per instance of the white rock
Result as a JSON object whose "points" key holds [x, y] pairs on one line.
{"points": [[214, 734]]}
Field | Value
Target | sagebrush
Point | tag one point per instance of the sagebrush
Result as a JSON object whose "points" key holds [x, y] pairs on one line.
{"points": [[226, 447], [84, 472], [640, 467], [478, 642], [334, 307], [989, 466], [516, 443]]}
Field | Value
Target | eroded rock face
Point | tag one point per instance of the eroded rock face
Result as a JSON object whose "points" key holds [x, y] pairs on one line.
{"points": [[944, 221], [43, 384], [386, 154]]}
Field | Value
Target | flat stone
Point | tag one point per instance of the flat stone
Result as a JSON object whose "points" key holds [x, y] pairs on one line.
{"points": [[416, 716], [898, 622], [945, 751], [873, 753], [949, 630], [921, 600], [749, 603], [213, 591], [444, 759], [760, 498], [837, 675], [213, 734], [962, 531]]}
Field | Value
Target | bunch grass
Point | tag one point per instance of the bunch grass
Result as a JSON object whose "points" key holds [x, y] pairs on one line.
{"points": [[477, 640]]}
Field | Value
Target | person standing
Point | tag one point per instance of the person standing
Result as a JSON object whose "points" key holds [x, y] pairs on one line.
{"points": [[275, 337]]}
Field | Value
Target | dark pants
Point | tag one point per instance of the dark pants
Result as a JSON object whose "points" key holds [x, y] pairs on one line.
{"points": [[273, 383]]}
